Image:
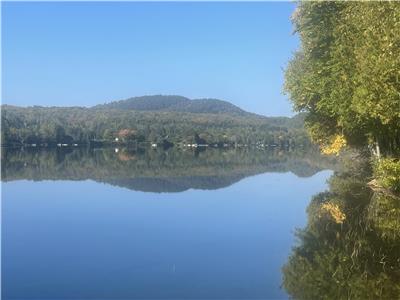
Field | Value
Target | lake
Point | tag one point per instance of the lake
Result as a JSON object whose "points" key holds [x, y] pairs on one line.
{"points": [[151, 224]]}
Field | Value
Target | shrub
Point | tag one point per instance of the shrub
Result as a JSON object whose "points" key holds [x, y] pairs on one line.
{"points": [[387, 173]]}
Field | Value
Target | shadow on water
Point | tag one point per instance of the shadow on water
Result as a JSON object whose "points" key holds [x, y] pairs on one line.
{"points": [[350, 248], [155, 170]]}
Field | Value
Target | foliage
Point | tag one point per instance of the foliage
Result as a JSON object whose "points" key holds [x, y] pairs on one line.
{"points": [[387, 173], [337, 143], [346, 75]]}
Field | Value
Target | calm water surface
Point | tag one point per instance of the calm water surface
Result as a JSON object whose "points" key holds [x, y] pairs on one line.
{"points": [[91, 224]]}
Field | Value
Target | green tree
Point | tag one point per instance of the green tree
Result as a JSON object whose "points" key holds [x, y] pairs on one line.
{"points": [[346, 75]]}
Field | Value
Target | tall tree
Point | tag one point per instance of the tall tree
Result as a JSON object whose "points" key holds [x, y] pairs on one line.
{"points": [[346, 75]]}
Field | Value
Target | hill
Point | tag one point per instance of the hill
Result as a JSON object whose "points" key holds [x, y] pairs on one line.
{"points": [[160, 120], [175, 104]]}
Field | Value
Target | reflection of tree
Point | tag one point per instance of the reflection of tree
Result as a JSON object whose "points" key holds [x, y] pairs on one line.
{"points": [[154, 170], [384, 213], [358, 258]]}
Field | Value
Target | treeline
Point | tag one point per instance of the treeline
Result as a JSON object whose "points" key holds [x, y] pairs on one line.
{"points": [[78, 125], [346, 74], [346, 77]]}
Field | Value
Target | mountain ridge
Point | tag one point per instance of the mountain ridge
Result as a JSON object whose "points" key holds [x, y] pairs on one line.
{"points": [[166, 103], [175, 103]]}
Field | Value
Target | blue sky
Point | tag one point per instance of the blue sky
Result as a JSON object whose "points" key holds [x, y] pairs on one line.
{"points": [[86, 53]]}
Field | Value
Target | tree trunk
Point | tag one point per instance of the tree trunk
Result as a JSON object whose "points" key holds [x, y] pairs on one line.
{"points": [[378, 150]]}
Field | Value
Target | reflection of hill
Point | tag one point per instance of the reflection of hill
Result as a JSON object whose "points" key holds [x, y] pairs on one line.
{"points": [[156, 171], [176, 184]]}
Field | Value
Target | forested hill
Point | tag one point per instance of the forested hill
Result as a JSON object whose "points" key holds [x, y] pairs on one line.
{"points": [[176, 104], [160, 120]]}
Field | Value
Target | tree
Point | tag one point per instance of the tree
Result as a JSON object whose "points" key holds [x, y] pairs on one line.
{"points": [[346, 75]]}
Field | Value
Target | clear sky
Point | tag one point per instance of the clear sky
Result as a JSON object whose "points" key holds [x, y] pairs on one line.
{"points": [[86, 53]]}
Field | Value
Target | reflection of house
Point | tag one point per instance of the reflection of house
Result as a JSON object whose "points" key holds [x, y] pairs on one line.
{"points": [[196, 145], [126, 135]]}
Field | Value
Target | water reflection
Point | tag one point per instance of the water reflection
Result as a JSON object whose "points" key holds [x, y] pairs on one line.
{"points": [[71, 238], [157, 171], [350, 248]]}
